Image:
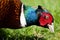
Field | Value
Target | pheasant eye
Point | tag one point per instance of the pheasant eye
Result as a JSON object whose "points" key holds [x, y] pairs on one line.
{"points": [[46, 17]]}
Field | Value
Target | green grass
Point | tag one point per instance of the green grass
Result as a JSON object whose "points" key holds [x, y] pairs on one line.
{"points": [[35, 32]]}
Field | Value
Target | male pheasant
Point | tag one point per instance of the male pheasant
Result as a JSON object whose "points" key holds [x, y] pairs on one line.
{"points": [[14, 14]]}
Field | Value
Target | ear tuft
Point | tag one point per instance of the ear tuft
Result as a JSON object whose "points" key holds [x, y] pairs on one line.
{"points": [[39, 7]]}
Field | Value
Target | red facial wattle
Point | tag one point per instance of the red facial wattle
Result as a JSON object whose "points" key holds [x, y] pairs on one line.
{"points": [[43, 20]]}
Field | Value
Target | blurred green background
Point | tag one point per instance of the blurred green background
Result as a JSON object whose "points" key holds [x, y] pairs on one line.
{"points": [[34, 32]]}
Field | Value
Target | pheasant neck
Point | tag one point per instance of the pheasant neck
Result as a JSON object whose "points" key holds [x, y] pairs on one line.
{"points": [[22, 17]]}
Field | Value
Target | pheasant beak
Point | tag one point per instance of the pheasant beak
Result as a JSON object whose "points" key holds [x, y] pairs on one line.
{"points": [[51, 27]]}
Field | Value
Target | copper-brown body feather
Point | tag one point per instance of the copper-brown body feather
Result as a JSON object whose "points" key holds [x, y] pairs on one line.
{"points": [[10, 13]]}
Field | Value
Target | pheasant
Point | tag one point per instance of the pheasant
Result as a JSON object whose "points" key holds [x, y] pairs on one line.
{"points": [[14, 14]]}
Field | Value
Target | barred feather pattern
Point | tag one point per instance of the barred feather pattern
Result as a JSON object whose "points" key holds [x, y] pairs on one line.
{"points": [[10, 13]]}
